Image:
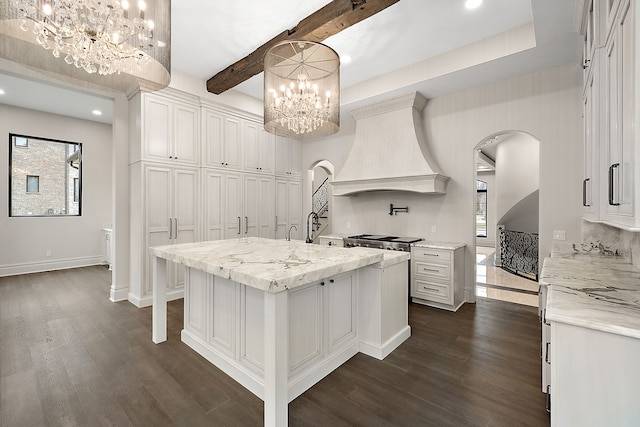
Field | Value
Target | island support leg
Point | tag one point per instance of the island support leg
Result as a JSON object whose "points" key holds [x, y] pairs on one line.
{"points": [[159, 312], [276, 394]]}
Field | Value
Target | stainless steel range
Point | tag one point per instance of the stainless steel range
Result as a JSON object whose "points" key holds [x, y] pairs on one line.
{"points": [[392, 243]]}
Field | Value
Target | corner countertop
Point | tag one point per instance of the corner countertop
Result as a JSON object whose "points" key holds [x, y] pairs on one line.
{"points": [[591, 290], [268, 264], [432, 244]]}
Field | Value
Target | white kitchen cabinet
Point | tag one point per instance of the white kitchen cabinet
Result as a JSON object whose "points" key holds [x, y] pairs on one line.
{"points": [[171, 130], [288, 209], [238, 205], [598, 388], [623, 193], [437, 276], [259, 148], [165, 212], [222, 139], [593, 111], [288, 156], [612, 153], [259, 206]]}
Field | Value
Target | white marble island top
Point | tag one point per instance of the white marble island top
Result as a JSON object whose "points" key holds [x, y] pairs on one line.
{"points": [[596, 292], [270, 265]]}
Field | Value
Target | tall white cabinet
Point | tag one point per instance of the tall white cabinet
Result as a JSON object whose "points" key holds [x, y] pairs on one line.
{"points": [[611, 193], [200, 171]]}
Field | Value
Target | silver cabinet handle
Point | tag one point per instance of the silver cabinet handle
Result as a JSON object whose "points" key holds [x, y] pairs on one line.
{"points": [[246, 224], [239, 225], [548, 403], [276, 223], [584, 192], [170, 228], [546, 356], [612, 201], [429, 289], [175, 227]]}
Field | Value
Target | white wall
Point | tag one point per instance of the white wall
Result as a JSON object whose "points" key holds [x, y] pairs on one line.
{"points": [[517, 179], [73, 241], [545, 104]]}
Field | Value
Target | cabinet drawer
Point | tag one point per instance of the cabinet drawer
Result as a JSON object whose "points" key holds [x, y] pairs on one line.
{"points": [[428, 254], [433, 291], [431, 269]]}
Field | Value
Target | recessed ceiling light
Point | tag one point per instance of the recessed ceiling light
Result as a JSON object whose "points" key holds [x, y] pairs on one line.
{"points": [[472, 4], [1, 92], [345, 59], [97, 112]]}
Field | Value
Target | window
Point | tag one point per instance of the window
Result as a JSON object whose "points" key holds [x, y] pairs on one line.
{"points": [[20, 141], [45, 177], [481, 209], [33, 184], [76, 190]]}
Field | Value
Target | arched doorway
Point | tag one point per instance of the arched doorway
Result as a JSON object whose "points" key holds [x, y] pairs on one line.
{"points": [[319, 178], [506, 178]]}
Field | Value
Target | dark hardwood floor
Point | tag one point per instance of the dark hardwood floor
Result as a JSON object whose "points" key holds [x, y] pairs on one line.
{"points": [[70, 357]]}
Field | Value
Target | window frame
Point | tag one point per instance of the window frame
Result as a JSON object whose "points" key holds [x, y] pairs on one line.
{"points": [[13, 145]]}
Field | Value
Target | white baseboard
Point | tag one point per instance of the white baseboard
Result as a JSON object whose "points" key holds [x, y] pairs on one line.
{"points": [[120, 294], [41, 266], [382, 351], [148, 300]]}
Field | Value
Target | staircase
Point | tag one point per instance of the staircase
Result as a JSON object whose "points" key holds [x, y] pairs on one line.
{"points": [[320, 205]]}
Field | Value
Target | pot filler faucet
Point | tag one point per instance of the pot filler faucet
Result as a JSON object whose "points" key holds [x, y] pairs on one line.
{"points": [[309, 231]]}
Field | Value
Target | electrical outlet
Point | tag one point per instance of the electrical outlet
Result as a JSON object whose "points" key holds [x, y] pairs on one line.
{"points": [[559, 235], [48, 253], [433, 228], [348, 225]]}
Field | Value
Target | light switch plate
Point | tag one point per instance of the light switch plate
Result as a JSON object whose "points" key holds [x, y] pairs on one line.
{"points": [[559, 235]]}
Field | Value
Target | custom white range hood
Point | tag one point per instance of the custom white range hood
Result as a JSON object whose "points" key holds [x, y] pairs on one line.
{"points": [[389, 151]]}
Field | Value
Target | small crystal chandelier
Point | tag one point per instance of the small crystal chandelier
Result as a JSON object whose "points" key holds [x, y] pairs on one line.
{"points": [[103, 36], [302, 89]]}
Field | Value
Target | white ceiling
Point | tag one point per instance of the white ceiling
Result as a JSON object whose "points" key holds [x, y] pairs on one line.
{"points": [[207, 36]]}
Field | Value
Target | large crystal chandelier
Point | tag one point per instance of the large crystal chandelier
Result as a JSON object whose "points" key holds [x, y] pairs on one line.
{"points": [[103, 36], [302, 89]]}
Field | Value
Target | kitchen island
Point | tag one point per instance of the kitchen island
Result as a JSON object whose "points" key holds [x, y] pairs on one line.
{"points": [[278, 316]]}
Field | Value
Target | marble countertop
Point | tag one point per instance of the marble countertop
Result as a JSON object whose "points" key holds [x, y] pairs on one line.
{"points": [[271, 265], [600, 292], [432, 244]]}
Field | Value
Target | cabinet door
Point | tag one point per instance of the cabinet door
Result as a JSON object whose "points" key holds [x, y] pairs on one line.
{"points": [[283, 148], [157, 128], [281, 207], [213, 206], [186, 131], [627, 84], [213, 138], [233, 207], [295, 158], [251, 205], [590, 128], [266, 209], [158, 215], [613, 123], [294, 209], [232, 143], [185, 208], [341, 306], [266, 149], [251, 147], [305, 326]]}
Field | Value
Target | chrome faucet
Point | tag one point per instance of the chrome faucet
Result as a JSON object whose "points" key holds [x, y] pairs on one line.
{"points": [[289, 232], [309, 231]]}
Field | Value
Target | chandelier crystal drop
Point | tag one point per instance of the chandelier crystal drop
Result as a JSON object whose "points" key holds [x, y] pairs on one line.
{"points": [[103, 36], [302, 87]]}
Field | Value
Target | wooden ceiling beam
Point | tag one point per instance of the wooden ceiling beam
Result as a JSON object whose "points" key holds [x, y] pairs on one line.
{"points": [[320, 25]]}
